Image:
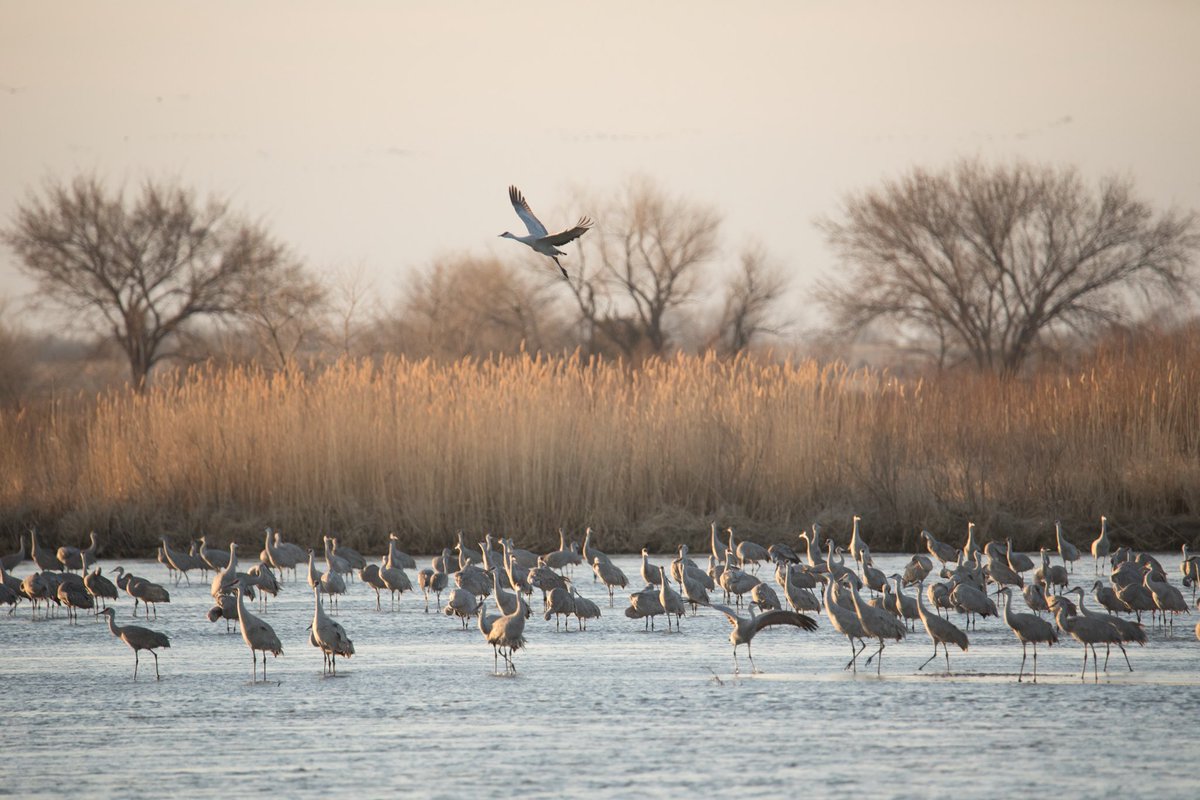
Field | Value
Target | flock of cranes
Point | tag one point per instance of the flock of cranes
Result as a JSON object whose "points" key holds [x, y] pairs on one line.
{"points": [[946, 579]]}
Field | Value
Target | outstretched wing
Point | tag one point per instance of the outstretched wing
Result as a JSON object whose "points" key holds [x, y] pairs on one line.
{"points": [[785, 618], [727, 611], [571, 234], [535, 226]]}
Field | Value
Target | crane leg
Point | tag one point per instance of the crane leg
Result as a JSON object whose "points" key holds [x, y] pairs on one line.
{"points": [[157, 677], [1107, 653], [931, 658], [1035, 662], [750, 655], [1095, 672], [1024, 654], [135, 664], [1126, 656], [736, 668]]}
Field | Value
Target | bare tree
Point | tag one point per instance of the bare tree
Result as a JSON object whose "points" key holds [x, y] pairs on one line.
{"points": [[647, 258], [16, 366], [478, 307], [142, 268], [751, 295], [285, 314], [985, 261]]}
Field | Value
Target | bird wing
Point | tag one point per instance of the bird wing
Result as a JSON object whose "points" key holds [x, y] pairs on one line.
{"points": [[571, 234], [727, 611], [784, 618], [535, 226]]}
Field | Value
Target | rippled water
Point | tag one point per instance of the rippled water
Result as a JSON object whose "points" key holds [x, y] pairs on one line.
{"points": [[613, 711]]}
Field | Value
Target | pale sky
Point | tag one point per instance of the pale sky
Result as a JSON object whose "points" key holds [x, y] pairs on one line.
{"points": [[385, 134]]}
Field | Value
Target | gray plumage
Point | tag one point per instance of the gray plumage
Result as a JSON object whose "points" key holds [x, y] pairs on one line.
{"points": [[257, 634], [941, 631], [329, 636], [1029, 629], [138, 638], [745, 629]]}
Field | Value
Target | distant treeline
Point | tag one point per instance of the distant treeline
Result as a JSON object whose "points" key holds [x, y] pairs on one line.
{"points": [[522, 446]]}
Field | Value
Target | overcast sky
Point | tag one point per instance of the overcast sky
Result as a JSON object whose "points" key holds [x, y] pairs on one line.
{"points": [[384, 134]]}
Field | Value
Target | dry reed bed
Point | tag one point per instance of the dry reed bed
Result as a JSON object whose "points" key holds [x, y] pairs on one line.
{"points": [[524, 445]]}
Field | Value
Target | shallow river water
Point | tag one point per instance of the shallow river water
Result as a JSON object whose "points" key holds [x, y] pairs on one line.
{"points": [[613, 711]]}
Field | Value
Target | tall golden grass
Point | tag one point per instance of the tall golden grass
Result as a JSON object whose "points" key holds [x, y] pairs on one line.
{"points": [[524, 445]]}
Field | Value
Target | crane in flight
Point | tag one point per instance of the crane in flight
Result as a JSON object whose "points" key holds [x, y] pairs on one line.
{"points": [[539, 239]]}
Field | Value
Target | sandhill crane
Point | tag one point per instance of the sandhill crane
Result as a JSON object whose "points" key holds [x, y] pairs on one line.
{"points": [[11, 560], [558, 603], [292, 554], [943, 552], [694, 587], [507, 633], [610, 575], [1106, 597], [812, 547], [874, 578], [907, 606], [780, 553], [845, 622], [40, 587], [1029, 629], [917, 570], [543, 578], [431, 580], [938, 595], [671, 600], [764, 597], [1101, 545], [1189, 567], [1017, 562], [971, 546], [395, 579], [1001, 573], [1089, 632], [142, 590], [525, 559], [1035, 597], [225, 608], [736, 582], [748, 552], [100, 587], [539, 240], [334, 564], [798, 598], [1050, 574], [257, 635], [73, 558], [349, 555], [650, 572], [216, 559], [585, 609], [972, 602], [400, 559], [1068, 551], [1167, 598], [744, 630], [462, 604], [466, 553], [74, 596], [645, 605], [1127, 630], [506, 601], [590, 554], [328, 635], [941, 631], [564, 556], [138, 638], [877, 624], [486, 621], [180, 561], [9, 597], [45, 560], [370, 576], [265, 581], [474, 580], [857, 543]]}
